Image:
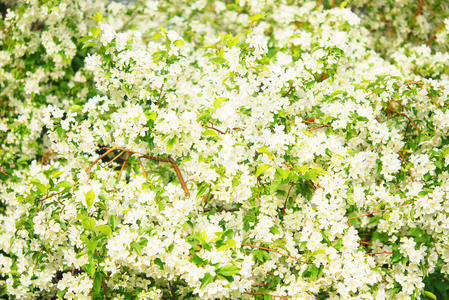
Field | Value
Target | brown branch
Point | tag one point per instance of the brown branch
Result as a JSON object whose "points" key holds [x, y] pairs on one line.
{"points": [[434, 35], [377, 253], [213, 128], [100, 157], [178, 173], [365, 243], [118, 155], [4, 173], [391, 109], [376, 212], [402, 105], [262, 284], [419, 9], [275, 251], [289, 91], [434, 102], [333, 3], [315, 123], [105, 287], [263, 294], [420, 83], [123, 166], [322, 78], [286, 198], [142, 167], [222, 209], [204, 200], [169, 159], [406, 163], [378, 120], [51, 195], [160, 93]]}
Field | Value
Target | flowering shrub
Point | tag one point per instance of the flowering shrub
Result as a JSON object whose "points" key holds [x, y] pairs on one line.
{"points": [[223, 149]]}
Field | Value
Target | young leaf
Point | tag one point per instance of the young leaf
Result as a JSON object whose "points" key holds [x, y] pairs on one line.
{"points": [[227, 270], [104, 229], [261, 169], [88, 223], [89, 197], [206, 280]]}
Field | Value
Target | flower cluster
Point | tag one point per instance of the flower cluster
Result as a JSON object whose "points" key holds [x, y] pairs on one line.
{"points": [[223, 149]]}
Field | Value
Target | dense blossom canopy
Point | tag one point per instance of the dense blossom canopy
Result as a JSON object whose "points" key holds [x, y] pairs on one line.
{"points": [[223, 149]]}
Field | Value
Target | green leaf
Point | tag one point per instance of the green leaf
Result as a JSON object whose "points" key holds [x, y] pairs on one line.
{"points": [[152, 116], [104, 229], [275, 185], [206, 280], [223, 247], [262, 169], [89, 44], [218, 102], [171, 142], [138, 246], [197, 260], [89, 197], [209, 132], [231, 243], [95, 31], [430, 295], [256, 17], [267, 297], [302, 170], [179, 43], [76, 108], [314, 173], [97, 285], [266, 151], [159, 262], [56, 174], [36, 182], [88, 223], [227, 270], [98, 16], [282, 173], [157, 35]]}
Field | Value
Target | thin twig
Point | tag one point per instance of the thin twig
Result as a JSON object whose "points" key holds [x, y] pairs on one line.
{"points": [[222, 209], [100, 157], [142, 167], [4, 173], [376, 212], [315, 123], [142, 155], [377, 253], [289, 91], [160, 93], [420, 83], [434, 35], [286, 198], [178, 173], [263, 294], [391, 109], [49, 196], [123, 166], [261, 284], [118, 155], [406, 163], [216, 129]]}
